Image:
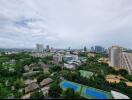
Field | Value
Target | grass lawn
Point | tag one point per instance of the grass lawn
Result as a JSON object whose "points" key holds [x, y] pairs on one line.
{"points": [[86, 74]]}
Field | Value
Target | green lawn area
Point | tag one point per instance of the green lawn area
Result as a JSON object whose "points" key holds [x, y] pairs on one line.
{"points": [[86, 74]]}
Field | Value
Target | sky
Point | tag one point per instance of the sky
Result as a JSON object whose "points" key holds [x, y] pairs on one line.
{"points": [[64, 23]]}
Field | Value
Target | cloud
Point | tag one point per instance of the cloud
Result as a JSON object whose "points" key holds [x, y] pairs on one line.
{"points": [[63, 23]]}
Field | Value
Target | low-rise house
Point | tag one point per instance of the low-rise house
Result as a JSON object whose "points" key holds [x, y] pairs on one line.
{"points": [[31, 87], [26, 96], [75, 52], [70, 57], [45, 90], [12, 88], [45, 67], [57, 58], [91, 54], [83, 59], [46, 82], [70, 66], [129, 84], [26, 68], [114, 78], [76, 62], [41, 55], [103, 60], [30, 73], [28, 81]]}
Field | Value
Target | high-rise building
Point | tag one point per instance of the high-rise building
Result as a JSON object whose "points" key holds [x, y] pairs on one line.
{"points": [[126, 61], [92, 49], [114, 54], [47, 47], [120, 59], [69, 48], [39, 47], [85, 49], [99, 49]]}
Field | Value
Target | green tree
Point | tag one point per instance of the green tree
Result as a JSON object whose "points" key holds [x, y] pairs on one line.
{"points": [[129, 77], [4, 93], [41, 77], [55, 68], [37, 95], [70, 94], [17, 94], [19, 83], [55, 90], [123, 72]]}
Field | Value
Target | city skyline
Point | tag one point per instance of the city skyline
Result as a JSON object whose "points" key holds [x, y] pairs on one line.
{"points": [[60, 24]]}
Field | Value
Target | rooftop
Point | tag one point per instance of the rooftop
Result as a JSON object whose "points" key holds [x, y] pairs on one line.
{"points": [[86, 74], [46, 81], [118, 95], [31, 87]]}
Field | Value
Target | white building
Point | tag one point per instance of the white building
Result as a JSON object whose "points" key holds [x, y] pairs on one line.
{"points": [[57, 58], [39, 54], [118, 95], [126, 61], [114, 55], [70, 57], [120, 59], [69, 66]]}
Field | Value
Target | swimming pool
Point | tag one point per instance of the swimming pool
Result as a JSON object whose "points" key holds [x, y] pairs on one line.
{"points": [[96, 94], [67, 85], [85, 91]]}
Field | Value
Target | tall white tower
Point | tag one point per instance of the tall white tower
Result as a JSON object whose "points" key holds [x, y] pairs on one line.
{"points": [[114, 55]]}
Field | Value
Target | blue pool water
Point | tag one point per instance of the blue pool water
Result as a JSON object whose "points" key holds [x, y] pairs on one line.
{"points": [[70, 85], [95, 94]]}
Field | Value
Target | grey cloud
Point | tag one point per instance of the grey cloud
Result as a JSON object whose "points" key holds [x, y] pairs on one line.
{"points": [[63, 23]]}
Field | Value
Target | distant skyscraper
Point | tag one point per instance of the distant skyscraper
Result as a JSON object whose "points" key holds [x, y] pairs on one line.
{"points": [[39, 47], [69, 48], [114, 54], [99, 49], [85, 49], [47, 47], [92, 49]]}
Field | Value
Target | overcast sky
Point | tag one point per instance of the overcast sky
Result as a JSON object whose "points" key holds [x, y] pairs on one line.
{"points": [[64, 23]]}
